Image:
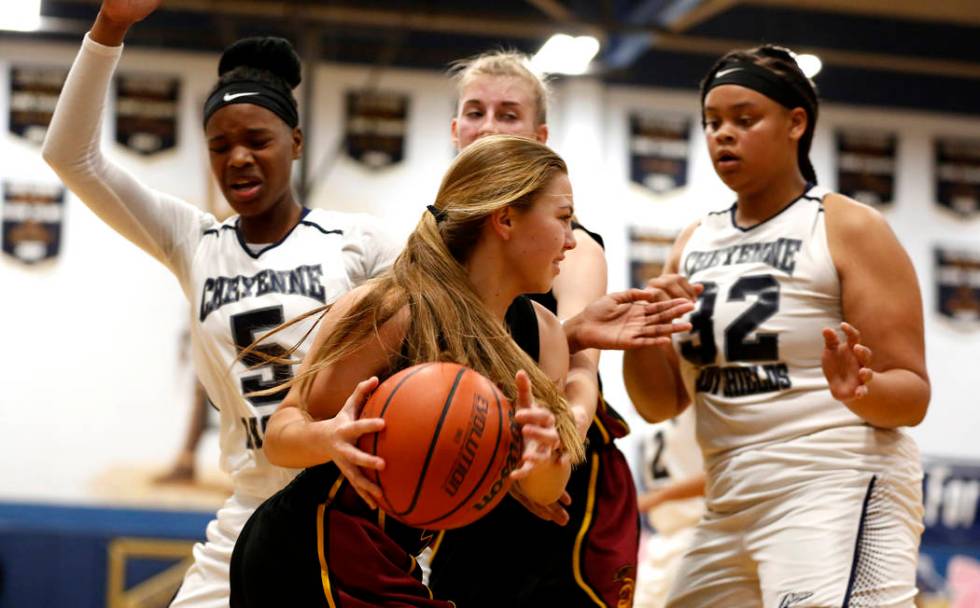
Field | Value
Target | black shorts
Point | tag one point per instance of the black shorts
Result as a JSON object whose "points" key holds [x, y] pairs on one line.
{"points": [[513, 558], [315, 543]]}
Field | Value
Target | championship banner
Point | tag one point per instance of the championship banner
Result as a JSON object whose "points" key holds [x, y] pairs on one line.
{"points": [[32, 219], [866, 166], [958, 175], [958, 283], [33, 94], [375, 127], [659, 147], [146, 112], [648, 251]]}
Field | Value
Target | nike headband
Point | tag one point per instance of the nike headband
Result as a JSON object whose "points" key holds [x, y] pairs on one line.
{"points": [[255, 93], [755, 77]]}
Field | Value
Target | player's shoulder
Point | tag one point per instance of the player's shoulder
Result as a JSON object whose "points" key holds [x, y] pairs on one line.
{"points": [[210, 225], [354, 226], [849, 217], [329, 222]]}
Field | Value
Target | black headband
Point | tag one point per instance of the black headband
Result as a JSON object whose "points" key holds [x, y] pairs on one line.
{"points": [[256, 93], [752, 76]]}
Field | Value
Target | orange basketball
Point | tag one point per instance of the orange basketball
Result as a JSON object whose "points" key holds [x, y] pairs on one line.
{"points": [[449, 445]]}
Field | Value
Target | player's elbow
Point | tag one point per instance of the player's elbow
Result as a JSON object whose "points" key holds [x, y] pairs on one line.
{"points": [[918, 409], [918, 397]]}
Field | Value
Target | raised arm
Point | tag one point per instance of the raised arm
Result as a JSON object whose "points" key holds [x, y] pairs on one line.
{"points": [[157, 223], [879, 369], [652, 373]]}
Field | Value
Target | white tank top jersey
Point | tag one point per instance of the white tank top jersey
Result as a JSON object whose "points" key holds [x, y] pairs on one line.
{"points": [[752, 360], [237, 291], [238, 295]]}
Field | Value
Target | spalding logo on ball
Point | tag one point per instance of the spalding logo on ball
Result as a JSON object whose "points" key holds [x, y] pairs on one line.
{"points": [[449, 445]]}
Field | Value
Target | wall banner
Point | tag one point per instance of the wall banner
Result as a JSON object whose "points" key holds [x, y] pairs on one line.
{"points": [[375, 127], [33, 215], [957, 275], [34, 92], [866, 163], [958, 175], [659, 149], [146, 112], [648, 251]]}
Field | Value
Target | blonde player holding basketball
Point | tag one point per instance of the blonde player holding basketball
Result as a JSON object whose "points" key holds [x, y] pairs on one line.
{"points": [[814, 491], [499, 227], [587, 555], [272, 261]]}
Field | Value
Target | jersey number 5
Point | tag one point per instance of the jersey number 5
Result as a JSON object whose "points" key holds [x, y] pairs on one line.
{"points": [[738, 344], [245, 327]]}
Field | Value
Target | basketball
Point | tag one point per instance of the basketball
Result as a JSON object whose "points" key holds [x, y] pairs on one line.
{"points": [[449, 445]]}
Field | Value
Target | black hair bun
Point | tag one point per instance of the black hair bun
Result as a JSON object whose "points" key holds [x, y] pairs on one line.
{"points": [[269, 53], [777, 52]]}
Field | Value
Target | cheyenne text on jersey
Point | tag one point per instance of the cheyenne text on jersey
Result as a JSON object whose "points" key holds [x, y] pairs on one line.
{"points": [[302, 280], [779, 254]]}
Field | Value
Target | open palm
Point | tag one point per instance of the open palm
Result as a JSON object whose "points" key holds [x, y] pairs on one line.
{"points": [[845, 364]]}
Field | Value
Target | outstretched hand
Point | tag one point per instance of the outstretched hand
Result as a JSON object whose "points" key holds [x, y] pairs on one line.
{"points": [[846, 364], [629, 319], [340, 435], [128, 12]]}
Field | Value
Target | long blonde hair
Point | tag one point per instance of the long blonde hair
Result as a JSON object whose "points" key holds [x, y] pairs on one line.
{"points": [[503, 63], [449, 321]]}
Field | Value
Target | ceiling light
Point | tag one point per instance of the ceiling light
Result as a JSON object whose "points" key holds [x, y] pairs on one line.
{"points": [[810, 64], [563, 54], [21, 15]]}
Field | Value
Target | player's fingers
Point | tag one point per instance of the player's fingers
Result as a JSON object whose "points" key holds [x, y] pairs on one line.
{"points": [[830, 339], [363, 459], [560, 516], [524, 398], [545, 440], [363, 426], [650, 294], [674, 286], [536, 416], [664, 330], [865, 374], [662, 312], [364, 488], [863, 355], [522, 471], [852, 333], [360, 395], [565, 499]]}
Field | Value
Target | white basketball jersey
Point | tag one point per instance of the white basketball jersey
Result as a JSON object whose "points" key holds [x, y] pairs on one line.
{"points": [[237, 291], [751, 364], [239, 295]]}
